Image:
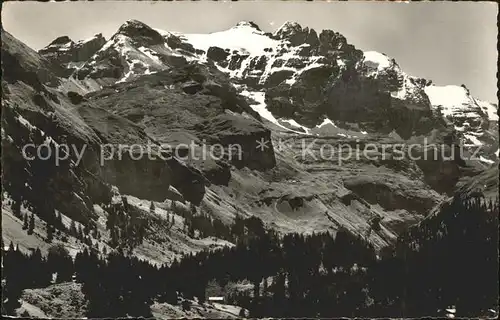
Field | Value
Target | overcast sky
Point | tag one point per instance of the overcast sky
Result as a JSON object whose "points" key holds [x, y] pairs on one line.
{"points": [[447, 42]]}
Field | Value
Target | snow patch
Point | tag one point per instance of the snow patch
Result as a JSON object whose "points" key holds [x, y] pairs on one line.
{"points": [[475, 141], [79, 42], [295, 124], [126, 76], [241, 37], [325, 122], [483, 159], [452, 99], [489, 109], [261, 108], [380, 60], [26, 123], [150, 54]]}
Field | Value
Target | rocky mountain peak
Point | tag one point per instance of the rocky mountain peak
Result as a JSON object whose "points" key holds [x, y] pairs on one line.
{"points": [[61, 40], [296, 35], [64, 43], [140, 32], [250, 24], [22, 64], [97, 38], [133, 24], [69, 54], [284, 64], [287, 27]]}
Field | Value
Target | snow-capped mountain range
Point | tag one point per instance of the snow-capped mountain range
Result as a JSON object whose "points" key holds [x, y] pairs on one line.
{"points": [[238, 86], [269, 68]]}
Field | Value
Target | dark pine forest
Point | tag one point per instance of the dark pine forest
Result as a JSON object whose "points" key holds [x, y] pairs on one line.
{"points": [[450, 258]]}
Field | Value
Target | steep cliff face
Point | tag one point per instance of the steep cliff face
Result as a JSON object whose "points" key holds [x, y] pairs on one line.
{"points": [[135, 49], [44, 183], [35, 113], [122, 158], [306, 77], [18, 60], [483, 185], [192, 108], [71, 55], [241, 138]]}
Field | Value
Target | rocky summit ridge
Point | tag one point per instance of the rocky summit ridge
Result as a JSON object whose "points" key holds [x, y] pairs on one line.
{"points": [[303, 78]]}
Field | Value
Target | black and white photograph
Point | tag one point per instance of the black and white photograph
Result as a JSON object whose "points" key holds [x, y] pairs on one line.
{"points": [[249, 159]]}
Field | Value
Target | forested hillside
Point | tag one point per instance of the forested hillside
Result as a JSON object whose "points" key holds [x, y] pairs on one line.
{"points": [[448, 259]]}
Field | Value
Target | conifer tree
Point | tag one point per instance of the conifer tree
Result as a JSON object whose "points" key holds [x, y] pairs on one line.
{"points": [[39, 276], [242, 313], [125, 203], [59, 261], [50, 233], [72, 229], [190, 230], [192, 209], [80, 232], [13, 286], [114, 241], [59, 224], [31, 226], [25, 222], [86, 230], [16, 208]]}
